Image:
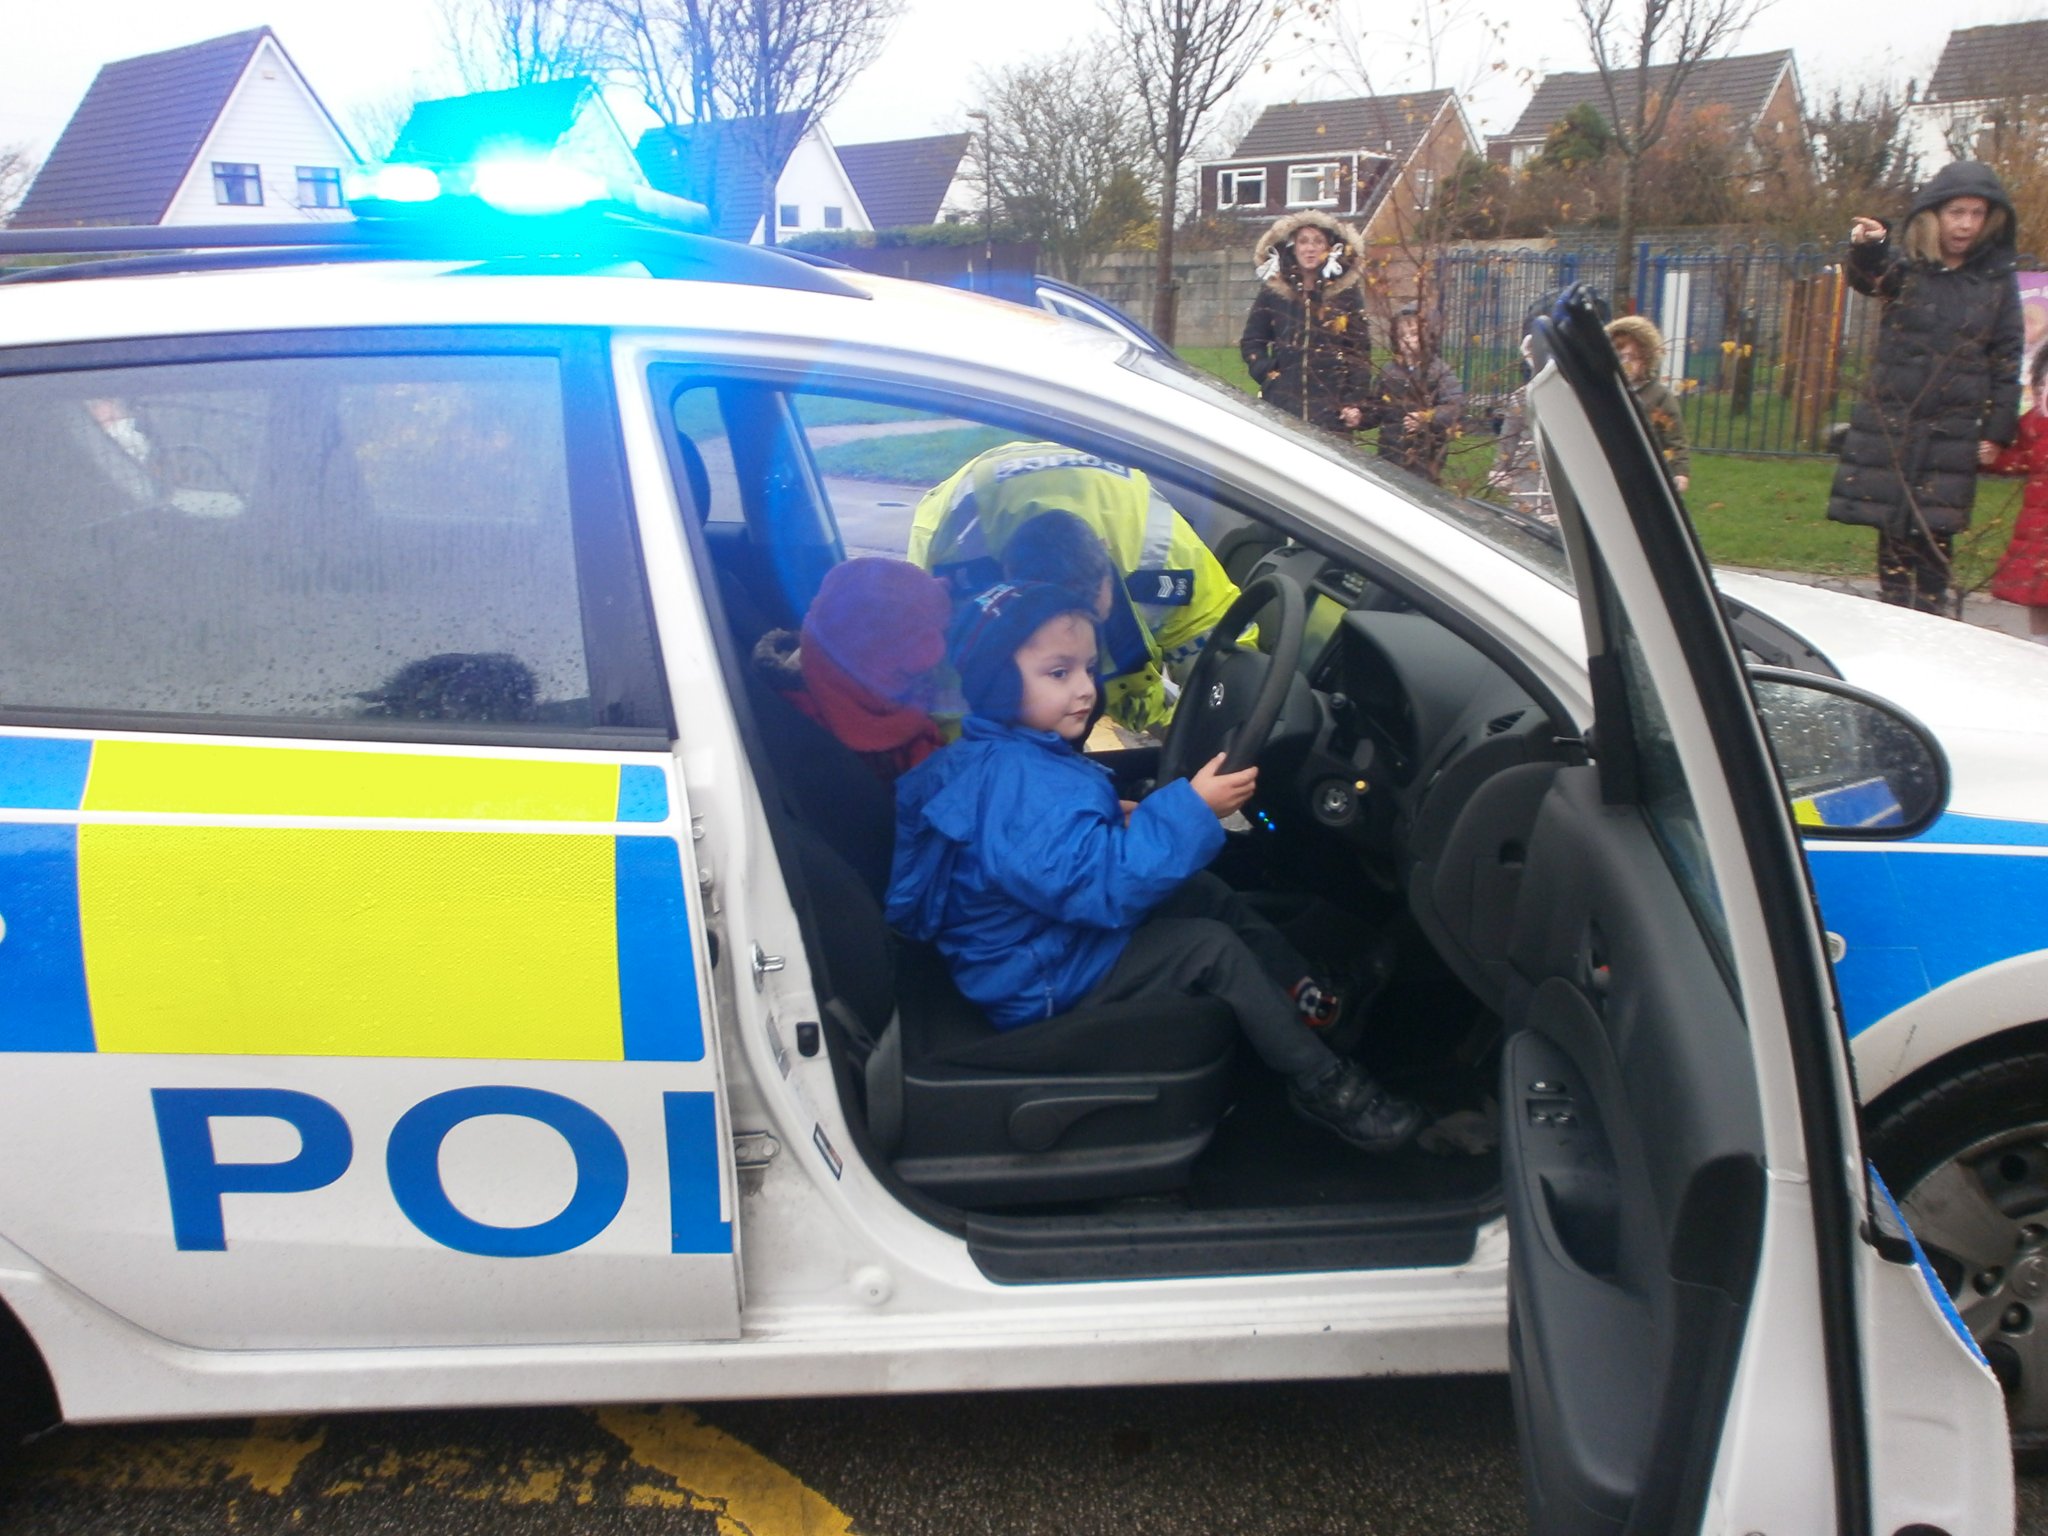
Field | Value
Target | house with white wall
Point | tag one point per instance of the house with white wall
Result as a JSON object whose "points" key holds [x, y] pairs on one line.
{"points": [[718, 165], [1987, 78], [219, 132]]}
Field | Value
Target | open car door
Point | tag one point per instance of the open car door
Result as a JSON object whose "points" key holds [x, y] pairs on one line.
{"points": [[1710, 1327]]}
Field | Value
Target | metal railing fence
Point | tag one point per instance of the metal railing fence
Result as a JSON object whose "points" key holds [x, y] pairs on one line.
{"points": [[1766, 345]]}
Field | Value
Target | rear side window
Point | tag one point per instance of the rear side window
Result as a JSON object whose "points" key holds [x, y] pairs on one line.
{"points": [[322, 538]]}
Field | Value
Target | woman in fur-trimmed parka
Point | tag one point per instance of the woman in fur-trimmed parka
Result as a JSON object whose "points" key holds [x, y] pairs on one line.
{"points": [[1943, 392], [1306, 340]]}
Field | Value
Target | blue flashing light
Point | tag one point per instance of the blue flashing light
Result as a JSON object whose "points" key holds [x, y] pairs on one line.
{"points": [[535, 186], [395, 184], [516, 185]]}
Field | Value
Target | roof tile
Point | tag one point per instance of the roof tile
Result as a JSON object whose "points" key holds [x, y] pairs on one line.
{"points": [[1743, 83], [1375, 124], [455, 129], [126, 150], [708, 162], [903, 182], [1985, 63]]}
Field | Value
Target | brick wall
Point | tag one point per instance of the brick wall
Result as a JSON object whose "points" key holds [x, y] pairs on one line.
{"points": [[1215, 292]]}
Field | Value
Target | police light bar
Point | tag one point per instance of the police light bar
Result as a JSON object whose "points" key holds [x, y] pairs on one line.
{"points": [[513, 185]]}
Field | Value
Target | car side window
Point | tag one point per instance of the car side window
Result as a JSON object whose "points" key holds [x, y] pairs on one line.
{"points": [[317, 538], [1662, 791]]}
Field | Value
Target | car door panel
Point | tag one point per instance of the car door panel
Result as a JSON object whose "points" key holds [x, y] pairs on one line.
{"points": [[357, 1034], [357, 980], [1632, 1154], [1673, 960]]}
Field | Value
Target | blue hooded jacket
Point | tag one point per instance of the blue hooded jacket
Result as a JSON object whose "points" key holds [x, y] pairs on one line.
{"points": [[1013, 857]]}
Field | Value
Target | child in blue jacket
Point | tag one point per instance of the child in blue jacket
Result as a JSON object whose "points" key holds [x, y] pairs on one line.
{"points": [[1046, 894]]}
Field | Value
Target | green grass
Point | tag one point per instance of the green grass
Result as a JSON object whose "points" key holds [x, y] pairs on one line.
{"points": [[844, 410], [1766, 513], [914, 458], [1223, 362]]}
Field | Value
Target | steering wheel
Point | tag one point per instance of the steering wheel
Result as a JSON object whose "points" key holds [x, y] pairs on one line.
{"points": [[1233, 697]]}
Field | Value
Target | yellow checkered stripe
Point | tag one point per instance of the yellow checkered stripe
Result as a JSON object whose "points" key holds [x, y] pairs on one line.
{"points": [[562, 936]]}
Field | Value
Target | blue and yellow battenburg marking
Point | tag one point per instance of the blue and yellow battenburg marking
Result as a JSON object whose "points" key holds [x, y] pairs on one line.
{"points": [[1968, 893], [1863, 803], [567, 939]]}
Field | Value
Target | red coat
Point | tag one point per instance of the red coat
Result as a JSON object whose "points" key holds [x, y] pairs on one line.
{"points": [[2022, 575]]}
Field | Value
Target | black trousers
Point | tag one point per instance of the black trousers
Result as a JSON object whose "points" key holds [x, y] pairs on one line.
{"points": [[1913, 568], [1203, 941]]}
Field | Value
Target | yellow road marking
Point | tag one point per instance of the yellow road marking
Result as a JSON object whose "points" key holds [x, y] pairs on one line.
{"points": [[270, 1457], [748, 1494], [671, 1460]]}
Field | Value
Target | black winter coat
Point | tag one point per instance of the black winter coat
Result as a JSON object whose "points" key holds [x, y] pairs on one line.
{"points": [[1309, 351], [1944, 377], [1399, 392]]}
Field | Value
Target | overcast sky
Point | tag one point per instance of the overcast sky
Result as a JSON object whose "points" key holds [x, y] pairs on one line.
{"points": [[365, 50]]}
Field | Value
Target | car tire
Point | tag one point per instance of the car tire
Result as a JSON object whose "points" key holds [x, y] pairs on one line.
{"points": [[1965, 1154], [28, 1401]]}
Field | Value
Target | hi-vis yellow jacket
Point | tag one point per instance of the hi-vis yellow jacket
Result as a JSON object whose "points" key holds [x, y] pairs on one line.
{"points": [[1174, 588]]}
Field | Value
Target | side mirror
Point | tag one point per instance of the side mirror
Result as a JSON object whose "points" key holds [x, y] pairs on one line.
{"points": [[1853, 765]]}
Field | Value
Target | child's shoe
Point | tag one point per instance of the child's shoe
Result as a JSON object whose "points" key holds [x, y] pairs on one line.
{"points": [[1345, 1100]]}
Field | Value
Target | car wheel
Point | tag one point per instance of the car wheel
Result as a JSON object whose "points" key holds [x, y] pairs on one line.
{"points": [[1967, 1159]]}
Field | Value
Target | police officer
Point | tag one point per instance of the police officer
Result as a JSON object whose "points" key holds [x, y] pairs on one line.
{"points": [[1172, 589]]}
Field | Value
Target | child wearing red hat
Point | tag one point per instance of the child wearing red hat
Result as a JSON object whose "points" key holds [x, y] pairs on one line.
{"points": [[862, 666]]}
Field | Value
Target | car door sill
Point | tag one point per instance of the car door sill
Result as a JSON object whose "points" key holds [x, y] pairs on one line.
{"points": [[1142, 1243]]}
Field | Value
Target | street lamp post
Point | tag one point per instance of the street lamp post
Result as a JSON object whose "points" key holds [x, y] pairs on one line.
{"points": [[988, 191]]}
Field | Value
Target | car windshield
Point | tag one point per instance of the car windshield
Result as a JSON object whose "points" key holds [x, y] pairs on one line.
{"points": [[1534, 543]]}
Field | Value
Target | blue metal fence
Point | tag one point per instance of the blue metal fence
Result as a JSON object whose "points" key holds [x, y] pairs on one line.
{"points": [[1766, 344]]}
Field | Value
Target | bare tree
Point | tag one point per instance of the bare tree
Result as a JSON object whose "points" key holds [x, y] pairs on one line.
{"points": [[771, 68], [375, 121], [1183, 58], [17, 170], [501, 43], [1060, 155], [781, 65], [666, 49], [1352, 41], [1645, 51]]}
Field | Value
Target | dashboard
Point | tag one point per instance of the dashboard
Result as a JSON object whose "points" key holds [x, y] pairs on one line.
{"points": [[1398, 702]]}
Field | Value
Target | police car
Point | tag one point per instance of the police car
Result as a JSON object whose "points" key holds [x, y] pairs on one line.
{"points": [[433, 973]]}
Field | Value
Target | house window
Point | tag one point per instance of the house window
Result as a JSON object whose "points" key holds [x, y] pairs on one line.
{"points": [[1425, 189], [787, 216], [1241, 189], [319, 186], [835, 218], [1312, 185], [237, 184]]}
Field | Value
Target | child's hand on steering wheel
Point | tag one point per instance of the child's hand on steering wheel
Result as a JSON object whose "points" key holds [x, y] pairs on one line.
{"points": [[1223, 792]]}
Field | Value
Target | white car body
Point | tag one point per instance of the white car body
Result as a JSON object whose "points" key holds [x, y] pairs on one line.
{"points": [[810, 1274]]}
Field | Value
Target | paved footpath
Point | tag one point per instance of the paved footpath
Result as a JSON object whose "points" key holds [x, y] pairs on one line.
{"points": [[1984, 612]]}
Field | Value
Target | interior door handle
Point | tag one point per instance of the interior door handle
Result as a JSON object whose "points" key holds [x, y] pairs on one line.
{"points": [[1595, 975]]}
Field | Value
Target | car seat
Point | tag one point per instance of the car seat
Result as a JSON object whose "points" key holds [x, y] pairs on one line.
{"points": [[1094, 1104], [1098, 1103]]}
